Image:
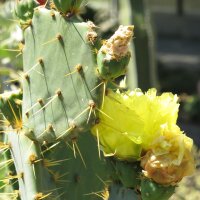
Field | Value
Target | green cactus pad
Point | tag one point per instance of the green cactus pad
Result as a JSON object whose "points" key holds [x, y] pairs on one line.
{"points": [[151, 190], [60, 85], [67, 6], [83, 175], [118, 192], [129, 173], [24, 9], [28, 160]]}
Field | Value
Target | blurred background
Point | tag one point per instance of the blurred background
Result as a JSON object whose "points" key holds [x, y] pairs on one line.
{"points": [[165, 55]]}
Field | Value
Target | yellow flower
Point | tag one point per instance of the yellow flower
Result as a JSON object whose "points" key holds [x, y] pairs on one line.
{"points": [[130, 122], [137, 125]]}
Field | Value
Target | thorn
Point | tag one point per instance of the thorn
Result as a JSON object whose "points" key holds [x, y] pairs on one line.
{"points": [[6, 163], [78, 68], [49, 129], [12, 50], [50, 101], [33, 106], [32, 68], [82, 113], [73, 126], [79, 152], [97, 86], [18, 122], [50, 163], [40, 196], [33, 159], [104, 114], [98, 143], [13, 80], [57, 176], [4, 146], [92, 106], [57, 38], [51, 147]]}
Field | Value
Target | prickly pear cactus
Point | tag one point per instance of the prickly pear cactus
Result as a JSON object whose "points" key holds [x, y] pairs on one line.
{"points": [[69, 137]]}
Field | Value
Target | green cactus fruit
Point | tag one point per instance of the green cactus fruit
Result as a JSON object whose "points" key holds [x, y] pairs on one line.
{"points": [[151, 190], [10, 106], [61, 91], [67, 6], [113, 57], [24, 9]]}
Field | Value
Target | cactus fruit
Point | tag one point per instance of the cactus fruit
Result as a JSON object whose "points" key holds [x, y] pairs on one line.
{"points": [[24, 10], [153, 191], [67, 7], [113, 57]]}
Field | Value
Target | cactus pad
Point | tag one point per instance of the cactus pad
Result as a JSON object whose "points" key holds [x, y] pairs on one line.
{"points": [[60, 84]]}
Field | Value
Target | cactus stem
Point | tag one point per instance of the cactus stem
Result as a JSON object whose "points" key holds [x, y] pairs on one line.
{"points": [[50, 163], [57, 38]]}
